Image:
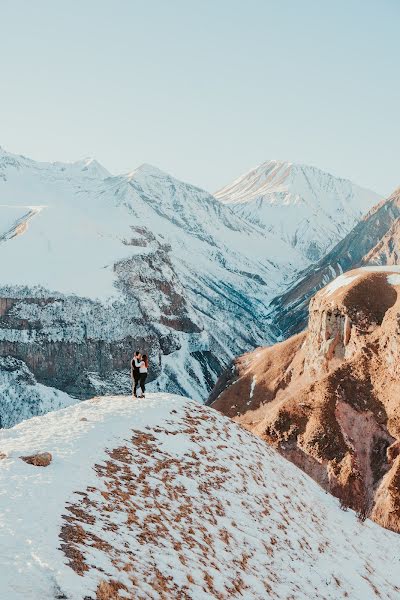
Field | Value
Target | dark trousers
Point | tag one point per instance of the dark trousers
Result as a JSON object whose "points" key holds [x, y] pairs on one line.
{"points": [[143, 377], [135, 383]]}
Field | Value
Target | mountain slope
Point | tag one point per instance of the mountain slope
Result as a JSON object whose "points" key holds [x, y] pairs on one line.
{"points": [[94, 266], [306, 207], [21, 397], [374, 240], [327, 398], [168, 499]]}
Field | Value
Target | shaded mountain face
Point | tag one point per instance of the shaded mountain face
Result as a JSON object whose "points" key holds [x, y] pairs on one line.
{"points": [[373, 241], [22, 397], [95, 266], [166, 498], [328, 398], [304, 206]]}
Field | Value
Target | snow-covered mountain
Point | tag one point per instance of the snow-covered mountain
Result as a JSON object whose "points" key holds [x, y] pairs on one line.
{"points": [[165, 498], [375, 240], [306, 207], [93, 266]]}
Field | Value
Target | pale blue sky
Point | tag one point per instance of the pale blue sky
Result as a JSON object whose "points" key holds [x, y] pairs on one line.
{"points": [[205, 89]]}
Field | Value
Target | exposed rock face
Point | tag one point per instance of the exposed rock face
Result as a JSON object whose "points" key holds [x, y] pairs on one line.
{"points": [[65, 343], [329, 398], [373, 241]]}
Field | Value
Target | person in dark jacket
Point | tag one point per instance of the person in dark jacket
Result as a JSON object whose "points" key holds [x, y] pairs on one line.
{"points": [[135, 375], [143, 368]]}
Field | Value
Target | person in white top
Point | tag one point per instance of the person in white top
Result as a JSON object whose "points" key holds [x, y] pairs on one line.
{"points": [[143, 368]]}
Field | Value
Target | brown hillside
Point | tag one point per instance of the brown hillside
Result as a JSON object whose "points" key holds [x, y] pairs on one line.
{"points": [[329, 398]]}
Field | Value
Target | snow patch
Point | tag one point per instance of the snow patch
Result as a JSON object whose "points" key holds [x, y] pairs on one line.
{"points": [[338, 283], [394, 279], [253, 386]]}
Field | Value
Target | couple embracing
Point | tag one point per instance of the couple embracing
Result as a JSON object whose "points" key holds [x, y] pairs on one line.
{"points": [[139, 367]]}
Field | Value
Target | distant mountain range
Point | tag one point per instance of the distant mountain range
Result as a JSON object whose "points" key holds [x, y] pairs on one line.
{"points": [[95, 265]]}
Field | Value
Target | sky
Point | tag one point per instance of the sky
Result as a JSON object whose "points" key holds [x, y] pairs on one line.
{"points": [[205, 89]]}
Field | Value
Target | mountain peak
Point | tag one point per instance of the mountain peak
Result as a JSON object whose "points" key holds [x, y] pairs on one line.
{"points": [[278, 175], [147, 170], [309, 208], [92, 166], [88, 165]]}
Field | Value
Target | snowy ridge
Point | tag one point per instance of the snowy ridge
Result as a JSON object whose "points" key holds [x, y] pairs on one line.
{"points": [[184, 275], [87, 167], [306, 207], [166, 498]]}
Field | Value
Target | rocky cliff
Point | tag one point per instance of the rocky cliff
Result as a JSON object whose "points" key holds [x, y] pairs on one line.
{"points": [[329, 398]]}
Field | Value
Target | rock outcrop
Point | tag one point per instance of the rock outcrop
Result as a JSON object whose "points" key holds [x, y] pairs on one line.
{"points": [[40, 459], [329, 398]]}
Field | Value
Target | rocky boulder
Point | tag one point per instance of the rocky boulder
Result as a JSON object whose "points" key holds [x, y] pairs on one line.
{"points": [[41, 459]]}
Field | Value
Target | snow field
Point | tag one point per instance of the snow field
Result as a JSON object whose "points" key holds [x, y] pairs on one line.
{"points": [[166, 498]]}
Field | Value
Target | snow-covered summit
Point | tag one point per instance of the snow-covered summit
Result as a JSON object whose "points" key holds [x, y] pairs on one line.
{"points": [[165, 498], [147, 170], [87, 167], [307, 207], [86, 218]]}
